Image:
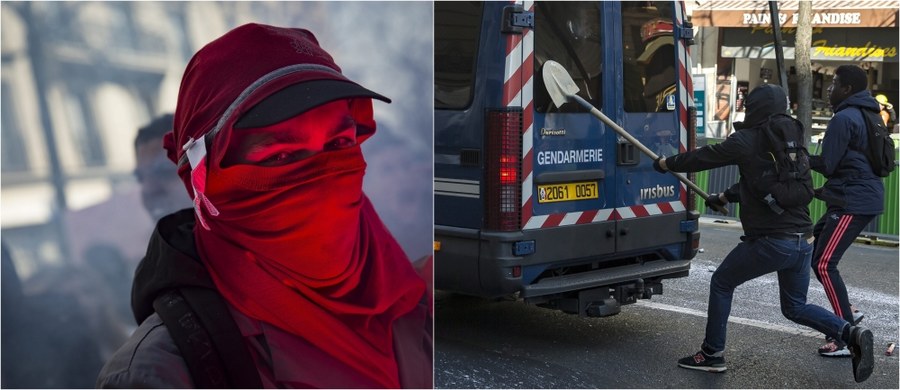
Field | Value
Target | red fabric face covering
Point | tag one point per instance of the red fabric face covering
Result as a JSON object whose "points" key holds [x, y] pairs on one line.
{"points": [[299, 245]]}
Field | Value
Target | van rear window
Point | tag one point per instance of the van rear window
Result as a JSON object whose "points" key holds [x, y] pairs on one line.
{"points": [[648, 55], [456, 27], [568, 33]]}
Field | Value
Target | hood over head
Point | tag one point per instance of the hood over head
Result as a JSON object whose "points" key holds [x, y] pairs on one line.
{"points": [[761, 103]]}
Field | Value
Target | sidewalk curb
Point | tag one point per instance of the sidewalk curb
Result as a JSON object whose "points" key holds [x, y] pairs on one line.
{"points": [[876, 241], [733, 224]]}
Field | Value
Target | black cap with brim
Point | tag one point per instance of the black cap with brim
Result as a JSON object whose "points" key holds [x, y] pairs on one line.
{"points": [[299, 98]]}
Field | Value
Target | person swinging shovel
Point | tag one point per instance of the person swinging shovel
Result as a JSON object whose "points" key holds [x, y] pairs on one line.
{"points": [[562, 89]]}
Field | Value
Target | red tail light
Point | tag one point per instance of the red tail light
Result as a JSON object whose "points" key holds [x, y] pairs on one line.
{"points": [[509, 171], [503, 163]]}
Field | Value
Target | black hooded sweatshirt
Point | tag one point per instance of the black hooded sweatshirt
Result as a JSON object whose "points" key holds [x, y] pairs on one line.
{"points": [[746, 148]]}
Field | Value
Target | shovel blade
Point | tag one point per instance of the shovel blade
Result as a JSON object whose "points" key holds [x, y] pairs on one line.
{"points": [[559, 84]]}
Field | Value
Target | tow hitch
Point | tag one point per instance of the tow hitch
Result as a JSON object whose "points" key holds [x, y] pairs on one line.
{"points": [[602, 301]]}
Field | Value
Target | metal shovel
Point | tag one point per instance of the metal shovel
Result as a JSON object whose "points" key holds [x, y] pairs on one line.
{"points": [[562, 89]]}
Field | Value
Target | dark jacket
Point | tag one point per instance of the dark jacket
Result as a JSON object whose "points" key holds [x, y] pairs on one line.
{"points": [[150, 358], [851, 186], [746, 148]]}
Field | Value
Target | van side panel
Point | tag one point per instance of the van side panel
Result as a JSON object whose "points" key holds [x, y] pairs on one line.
{"points": [[459, 156], [459, 135]]}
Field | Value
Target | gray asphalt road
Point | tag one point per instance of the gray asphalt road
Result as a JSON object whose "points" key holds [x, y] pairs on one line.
{"points": [[508, 344]]}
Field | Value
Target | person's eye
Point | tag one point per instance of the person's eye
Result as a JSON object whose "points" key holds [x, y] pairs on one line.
{"points": [[341, 143], [281, 158]]}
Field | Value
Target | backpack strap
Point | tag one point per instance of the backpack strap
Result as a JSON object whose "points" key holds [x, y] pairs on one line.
{"points": [[873, 126], [865, 129], [208, 338]]}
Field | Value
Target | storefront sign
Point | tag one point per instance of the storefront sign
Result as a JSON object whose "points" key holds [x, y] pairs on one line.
{"points": [[819, 18], [860, 44], [821, 49], [875, 17], [700, 103]]}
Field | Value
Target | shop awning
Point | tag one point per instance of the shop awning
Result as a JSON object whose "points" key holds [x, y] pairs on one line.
{"points": [[826, 13]]}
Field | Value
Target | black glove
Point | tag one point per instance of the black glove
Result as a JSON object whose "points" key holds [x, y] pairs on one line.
{"points": [[714, 200], [658, 167]]}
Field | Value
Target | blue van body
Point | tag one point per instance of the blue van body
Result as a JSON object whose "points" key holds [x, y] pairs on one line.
{"points": [[549, 203]]}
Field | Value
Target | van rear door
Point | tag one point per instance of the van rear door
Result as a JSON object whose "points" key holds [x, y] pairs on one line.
{"points": [[654, 107], [569, 164], [583, 172]]}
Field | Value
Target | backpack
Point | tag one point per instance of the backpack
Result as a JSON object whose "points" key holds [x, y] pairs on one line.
{"points": [[787, 181], [880, 149], [208, 338]]}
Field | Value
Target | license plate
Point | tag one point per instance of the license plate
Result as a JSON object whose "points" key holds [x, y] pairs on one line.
{"points": [[567, 191]]}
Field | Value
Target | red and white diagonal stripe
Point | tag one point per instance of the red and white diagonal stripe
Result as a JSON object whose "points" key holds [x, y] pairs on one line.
{"points": [[517, 92], [619, 213], [685, 87]]}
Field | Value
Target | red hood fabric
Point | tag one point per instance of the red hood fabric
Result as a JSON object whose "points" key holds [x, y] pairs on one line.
{"points": [[298, 246]]}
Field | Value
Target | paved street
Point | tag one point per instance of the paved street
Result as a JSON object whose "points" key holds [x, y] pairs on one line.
{"points": [[505, 344]]}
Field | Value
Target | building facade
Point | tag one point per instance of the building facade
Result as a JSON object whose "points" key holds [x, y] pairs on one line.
{"points": [[736, 51]]}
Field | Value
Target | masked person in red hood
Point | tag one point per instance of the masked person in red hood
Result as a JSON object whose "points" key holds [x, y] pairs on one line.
{"points": [[316, 290]]}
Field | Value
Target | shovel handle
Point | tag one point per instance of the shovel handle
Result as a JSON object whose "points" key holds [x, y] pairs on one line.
{"points": [[618, 129]]}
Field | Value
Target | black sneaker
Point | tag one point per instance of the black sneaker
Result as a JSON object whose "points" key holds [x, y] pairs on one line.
{"points": [[860, 345], [703, 362]]}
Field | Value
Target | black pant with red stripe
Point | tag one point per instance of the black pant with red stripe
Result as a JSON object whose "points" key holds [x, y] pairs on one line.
{"points": [[834, 233]]}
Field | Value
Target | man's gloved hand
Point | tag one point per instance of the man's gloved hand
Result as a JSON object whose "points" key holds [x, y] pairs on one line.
{"points": [[716, 200], [659, 166]]}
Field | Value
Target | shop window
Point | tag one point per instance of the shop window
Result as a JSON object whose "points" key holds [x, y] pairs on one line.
{"points": [[648, 55], [568, 33], [87, 139], [14, 157], [456, 33]]}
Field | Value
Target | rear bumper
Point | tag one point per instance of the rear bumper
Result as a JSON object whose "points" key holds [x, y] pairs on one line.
{"points": [[606, 253], [658, 269]]}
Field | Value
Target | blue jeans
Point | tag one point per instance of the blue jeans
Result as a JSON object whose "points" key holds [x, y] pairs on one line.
{"points": [[754, 258]]}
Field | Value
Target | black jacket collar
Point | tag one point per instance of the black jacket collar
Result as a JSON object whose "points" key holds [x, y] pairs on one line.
{"points": [[171, 262]]}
